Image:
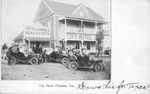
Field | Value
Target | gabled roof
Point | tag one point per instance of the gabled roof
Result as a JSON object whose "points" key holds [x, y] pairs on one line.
{"points": [[58, 7], [68, 9]]}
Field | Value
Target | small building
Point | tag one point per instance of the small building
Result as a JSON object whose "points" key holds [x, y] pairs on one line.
{"points": [[34, 34], [72, 26]]}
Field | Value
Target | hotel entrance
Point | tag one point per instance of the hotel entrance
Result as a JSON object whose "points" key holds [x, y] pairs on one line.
{"points": [[44, 44], [74, 44]]}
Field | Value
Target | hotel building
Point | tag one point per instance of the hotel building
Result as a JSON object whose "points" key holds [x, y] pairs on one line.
{"points": [[59, 24]]}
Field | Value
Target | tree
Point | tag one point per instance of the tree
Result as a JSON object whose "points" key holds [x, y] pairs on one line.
{"points": [[99, 39], [4, 46]]}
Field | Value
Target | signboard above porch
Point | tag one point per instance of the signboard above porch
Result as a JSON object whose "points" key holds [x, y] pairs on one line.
{"points": [[37, 31], [80, 37]]}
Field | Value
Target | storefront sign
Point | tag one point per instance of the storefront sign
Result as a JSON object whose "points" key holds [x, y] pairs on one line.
{"points": [[37, 32], [30, 28], [80, 37]]}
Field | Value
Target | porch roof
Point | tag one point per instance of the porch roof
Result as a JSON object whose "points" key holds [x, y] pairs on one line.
{"points": [[21, 36], [39, 39], [86, 19]]}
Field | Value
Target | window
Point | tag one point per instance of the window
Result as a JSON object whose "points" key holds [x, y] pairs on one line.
{"points": [[49, 24], [88, 45], [44, 24]]}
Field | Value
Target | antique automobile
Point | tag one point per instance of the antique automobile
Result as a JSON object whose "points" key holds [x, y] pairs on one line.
{"points": [[19, 57], [58, 56], [78, 61]]}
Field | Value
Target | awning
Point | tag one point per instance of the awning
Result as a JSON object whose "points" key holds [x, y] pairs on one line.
{"points": [[90, 41], [39, 39]]}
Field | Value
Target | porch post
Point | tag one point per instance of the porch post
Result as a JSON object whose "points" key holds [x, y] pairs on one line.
{"points": [[65, 23], [82, 26], [65, 44], [96, 26], [49, 43], [23, 41], [29, 44], [82, 43]]}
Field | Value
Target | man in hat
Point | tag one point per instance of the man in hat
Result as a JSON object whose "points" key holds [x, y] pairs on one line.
{"points": [[34, 48]]}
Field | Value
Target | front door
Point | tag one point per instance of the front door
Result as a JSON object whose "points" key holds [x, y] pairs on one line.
{"points": [[37, 44], [77, 45]]}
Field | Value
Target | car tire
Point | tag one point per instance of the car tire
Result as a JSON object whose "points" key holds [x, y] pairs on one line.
{"points": [[98, 67], [33, 61], [72, 66], [13, 61], [103, 65], [65, 61]]}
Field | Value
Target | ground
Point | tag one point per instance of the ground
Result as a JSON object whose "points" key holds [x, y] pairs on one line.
{"points": [[52, 71]]}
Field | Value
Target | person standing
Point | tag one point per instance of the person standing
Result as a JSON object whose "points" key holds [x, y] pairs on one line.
{"points": [[40, 50], [24, 50], [34, 48], [8, 54]]}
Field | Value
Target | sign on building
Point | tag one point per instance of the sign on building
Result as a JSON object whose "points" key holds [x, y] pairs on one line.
{"points": [[86, 37], [39, 32]]}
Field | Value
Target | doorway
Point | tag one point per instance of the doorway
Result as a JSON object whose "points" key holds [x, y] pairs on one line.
{"points": [[77, 45]]}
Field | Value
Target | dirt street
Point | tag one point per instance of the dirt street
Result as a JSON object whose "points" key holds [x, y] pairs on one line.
{"points": [[51, 71]]}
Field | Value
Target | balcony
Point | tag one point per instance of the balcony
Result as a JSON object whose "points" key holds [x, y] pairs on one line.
{"points": [[78, 26], [73, 30], [78, 30]]}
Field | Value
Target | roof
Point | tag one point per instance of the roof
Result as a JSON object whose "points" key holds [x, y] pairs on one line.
{"points": [[68, 9], [20, 36], [39, 39], [63, 8]]}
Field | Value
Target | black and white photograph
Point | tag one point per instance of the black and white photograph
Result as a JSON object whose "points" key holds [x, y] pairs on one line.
{"points": [[75, 47], [56, 40]]}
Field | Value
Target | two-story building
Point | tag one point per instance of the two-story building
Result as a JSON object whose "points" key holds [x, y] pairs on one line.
{"points": [[74, 26]]}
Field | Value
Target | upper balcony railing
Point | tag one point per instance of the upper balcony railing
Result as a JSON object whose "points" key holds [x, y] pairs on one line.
{"points": [[73, 30], [78, 30]]}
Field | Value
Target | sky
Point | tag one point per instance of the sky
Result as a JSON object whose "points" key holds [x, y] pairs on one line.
{"points": [[18, 13]]}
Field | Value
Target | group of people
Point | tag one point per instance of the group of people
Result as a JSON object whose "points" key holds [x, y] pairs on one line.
{"points": [[38, 50], [81, 53], [24, 49]]}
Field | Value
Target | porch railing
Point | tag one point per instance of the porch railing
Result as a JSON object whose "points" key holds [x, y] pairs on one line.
{"points": [[78, 30]]}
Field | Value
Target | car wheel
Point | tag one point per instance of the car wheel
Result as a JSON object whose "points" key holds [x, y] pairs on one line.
{"points": [[13, 61], [98, 67], [103, 66], [33, 61], [41, 60], [72, 66], [65, 61]]}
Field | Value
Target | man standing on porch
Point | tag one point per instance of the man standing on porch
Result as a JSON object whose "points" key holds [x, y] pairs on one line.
{"points": [[34, 48]]}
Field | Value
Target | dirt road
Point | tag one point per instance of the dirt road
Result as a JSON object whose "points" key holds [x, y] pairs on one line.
{"points": [[51, 71]]}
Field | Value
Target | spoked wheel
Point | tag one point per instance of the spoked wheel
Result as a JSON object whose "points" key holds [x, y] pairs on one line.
{"points": [[72, 66], [13, 61], [33, 61], [65, 61], [98, 67], [41, 60]]}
